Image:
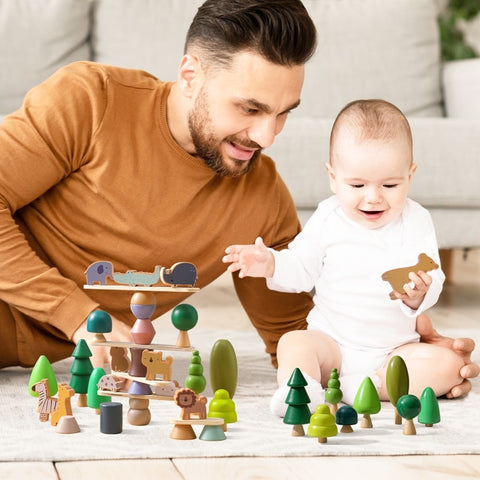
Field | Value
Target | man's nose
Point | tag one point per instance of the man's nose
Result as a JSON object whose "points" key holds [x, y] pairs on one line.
{"points": [[263, 131]]}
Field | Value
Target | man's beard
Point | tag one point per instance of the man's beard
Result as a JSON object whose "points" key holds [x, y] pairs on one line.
{"points": [[207, 146]]}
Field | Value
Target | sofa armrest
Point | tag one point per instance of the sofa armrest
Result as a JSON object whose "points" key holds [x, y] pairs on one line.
{"points": [[461, 88]]}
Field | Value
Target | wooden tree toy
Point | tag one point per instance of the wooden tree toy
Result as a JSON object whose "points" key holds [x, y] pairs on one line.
{"points": [[222, 406], [184, 318], [94, 399], [99, 322], [223, 367], [333, 394], [367, 402], [408, 407], [195, 380], [43, 369], [298, 412], [346, 416], [397, 382], [322, 424], [81, 369], [430, 410]]}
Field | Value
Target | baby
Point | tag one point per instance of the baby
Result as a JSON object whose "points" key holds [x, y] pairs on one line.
{"points": [[367, 227]]}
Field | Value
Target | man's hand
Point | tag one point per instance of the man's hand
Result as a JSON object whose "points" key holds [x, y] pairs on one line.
{"points": [[101, 355], [463, 347], [250, 260]]}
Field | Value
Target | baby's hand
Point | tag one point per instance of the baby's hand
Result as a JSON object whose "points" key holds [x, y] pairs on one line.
{"points": [[414, 295], [250, 260]]}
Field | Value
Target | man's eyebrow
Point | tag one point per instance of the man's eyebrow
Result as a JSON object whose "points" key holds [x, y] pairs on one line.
{"points": [[266, 108]]}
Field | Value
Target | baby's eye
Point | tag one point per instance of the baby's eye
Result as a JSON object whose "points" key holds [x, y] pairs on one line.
{"points": [[390, 185], [357, 185]]}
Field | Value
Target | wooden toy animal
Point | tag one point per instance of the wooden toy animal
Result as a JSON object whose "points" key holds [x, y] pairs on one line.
{"points": [[167, 390], [46, 403], [64, 406], [156, 365], [111, 383], [119, 361], [190, 404], [134, 278], [179, 274], [98, 272], [398, 277]]}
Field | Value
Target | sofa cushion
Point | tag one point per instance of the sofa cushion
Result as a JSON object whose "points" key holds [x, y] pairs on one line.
{"points": [[145, 34], [37, 38], [374, 49]]}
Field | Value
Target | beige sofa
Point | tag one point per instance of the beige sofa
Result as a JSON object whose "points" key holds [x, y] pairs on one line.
{"points": [[367, 48]]}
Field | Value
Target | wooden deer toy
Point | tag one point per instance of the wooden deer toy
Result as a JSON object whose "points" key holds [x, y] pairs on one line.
{"points": [[64, 407]]}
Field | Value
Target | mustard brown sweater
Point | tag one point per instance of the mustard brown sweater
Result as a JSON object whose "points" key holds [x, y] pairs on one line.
{"points": [[89, 171]]}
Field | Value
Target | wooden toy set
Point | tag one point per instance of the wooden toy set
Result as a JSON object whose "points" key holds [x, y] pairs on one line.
{"points": [[146, 373]]}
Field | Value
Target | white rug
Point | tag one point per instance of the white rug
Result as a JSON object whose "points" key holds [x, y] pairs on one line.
{"points": [[257, 433]]}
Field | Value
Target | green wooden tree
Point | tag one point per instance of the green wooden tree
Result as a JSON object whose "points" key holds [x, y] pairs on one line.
{"points": [[81, 369], [223, 367], [222, 406], [94, 399], [430, 410], [298, 412], [397, 381], [43, 369], [333, 394], [322, 424], [195, 380], [408, 407], [346, 416], [367, 402], [184, 317]]}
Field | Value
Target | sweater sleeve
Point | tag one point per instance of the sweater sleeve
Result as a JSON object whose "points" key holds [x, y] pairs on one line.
{"points": [[41, 144], [274, 313]]}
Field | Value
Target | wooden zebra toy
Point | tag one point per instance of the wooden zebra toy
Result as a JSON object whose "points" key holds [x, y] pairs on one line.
{"points": [[46, 403]]}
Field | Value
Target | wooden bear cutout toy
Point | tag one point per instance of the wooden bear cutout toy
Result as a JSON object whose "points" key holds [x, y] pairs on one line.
{"points": [[398, 277], [156, 365]]}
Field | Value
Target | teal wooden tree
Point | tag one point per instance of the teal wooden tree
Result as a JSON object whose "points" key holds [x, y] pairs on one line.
{"points": [[367, 402], [397, 381], [81, 369], [298, 412], [195, 380], [333, 394], [430, 411]]}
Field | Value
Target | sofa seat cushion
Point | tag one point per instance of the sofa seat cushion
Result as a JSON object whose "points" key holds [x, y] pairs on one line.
{"points": [[37, 38], [374, 49]]}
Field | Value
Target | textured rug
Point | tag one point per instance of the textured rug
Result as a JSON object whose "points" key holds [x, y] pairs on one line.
{"points": [[257, 433]]}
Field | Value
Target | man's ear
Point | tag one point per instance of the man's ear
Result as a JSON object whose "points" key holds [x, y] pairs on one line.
{"points": [[188, 72], [331, 176]]}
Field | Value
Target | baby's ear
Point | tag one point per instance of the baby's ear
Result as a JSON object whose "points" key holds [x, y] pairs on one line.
{"points": [[331, 177]]}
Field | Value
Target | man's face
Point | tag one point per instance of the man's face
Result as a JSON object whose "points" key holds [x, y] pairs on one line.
{"points": [[239, 110]]}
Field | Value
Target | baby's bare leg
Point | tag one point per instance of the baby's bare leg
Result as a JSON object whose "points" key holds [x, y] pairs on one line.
{"points": [[428, 366], [313, 352]]}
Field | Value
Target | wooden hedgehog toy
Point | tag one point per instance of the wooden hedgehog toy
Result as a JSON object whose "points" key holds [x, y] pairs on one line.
{"points": [[398, 277]]}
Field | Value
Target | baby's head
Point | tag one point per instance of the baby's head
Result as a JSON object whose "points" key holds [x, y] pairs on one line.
{"points": [[371, 161]]}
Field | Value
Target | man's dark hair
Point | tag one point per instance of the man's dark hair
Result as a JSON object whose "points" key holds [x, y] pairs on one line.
{"points": [[279, 30]]}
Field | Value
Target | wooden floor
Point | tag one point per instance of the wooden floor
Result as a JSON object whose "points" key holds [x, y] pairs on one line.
{"points": [[462, 294]]}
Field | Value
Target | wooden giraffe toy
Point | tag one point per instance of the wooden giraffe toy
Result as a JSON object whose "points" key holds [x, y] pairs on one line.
{"points": [[64, 407], [46, 403]]}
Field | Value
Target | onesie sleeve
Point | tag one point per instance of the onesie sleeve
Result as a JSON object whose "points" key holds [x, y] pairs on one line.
{"points": [[40, 145]]}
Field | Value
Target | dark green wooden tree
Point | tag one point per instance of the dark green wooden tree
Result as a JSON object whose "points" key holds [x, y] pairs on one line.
{"points": [[408, 407], [81, 369], [298, 412], [397, 382]]}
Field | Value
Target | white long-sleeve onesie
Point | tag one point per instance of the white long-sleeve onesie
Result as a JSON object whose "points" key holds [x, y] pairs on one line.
{"points": [[344, 262]]}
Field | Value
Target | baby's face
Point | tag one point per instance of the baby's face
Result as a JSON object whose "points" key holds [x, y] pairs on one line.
{"points": [[371, 178]]}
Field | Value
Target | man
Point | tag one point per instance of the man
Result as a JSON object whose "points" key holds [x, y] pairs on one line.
{"points": [[103, 163]]}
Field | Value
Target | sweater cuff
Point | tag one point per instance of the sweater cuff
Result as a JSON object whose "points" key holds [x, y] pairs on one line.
{"points": [[72, 312]]}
